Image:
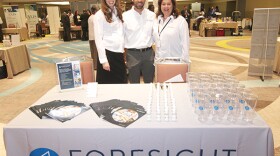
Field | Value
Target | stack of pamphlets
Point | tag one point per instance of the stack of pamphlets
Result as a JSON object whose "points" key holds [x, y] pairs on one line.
{"points": [[59, 110], [118, 112]]}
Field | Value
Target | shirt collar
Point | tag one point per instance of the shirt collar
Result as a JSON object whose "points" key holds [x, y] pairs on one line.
{"points": [[160, 17], [114, 14], [114, 11], [143, 11]]}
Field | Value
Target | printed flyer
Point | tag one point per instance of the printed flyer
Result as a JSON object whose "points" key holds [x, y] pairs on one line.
{"points": [[69, 75]]}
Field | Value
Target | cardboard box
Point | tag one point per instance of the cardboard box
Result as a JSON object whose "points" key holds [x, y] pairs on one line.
{"points": [[220, 32], [210, 32], [228, 32]]}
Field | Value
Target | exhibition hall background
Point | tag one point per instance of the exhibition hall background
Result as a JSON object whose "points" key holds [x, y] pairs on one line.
{"points": [[226, 7]]}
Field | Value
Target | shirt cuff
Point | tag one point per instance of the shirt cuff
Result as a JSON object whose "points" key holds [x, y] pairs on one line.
{"points": [[103, 60]]}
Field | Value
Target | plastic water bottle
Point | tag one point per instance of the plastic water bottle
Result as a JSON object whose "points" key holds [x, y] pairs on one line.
{"points": [[249, 114], [217, 114], [173, 113], [196, 105], [242, 106], [193, 96], [231, 114], [202, 114]]}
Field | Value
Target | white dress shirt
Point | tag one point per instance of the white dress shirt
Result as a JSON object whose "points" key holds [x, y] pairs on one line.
{"points": [[173, 40], [108, 36], [138, 28], [201, 16], [71, 17], [91, 27]]}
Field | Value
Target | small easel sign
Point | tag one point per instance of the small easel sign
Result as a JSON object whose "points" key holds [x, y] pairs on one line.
{"points": [[69, 75]]}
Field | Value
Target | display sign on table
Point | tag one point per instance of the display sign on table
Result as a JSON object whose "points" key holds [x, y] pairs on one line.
{"points": [[69, 75]]}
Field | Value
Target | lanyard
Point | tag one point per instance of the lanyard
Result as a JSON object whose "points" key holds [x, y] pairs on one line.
{"points": [[163, 27]]}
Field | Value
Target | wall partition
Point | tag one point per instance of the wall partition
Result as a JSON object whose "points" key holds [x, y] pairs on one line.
{"points": [[53, 18]]}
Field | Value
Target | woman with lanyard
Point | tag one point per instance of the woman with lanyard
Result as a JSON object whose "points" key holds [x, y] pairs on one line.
{"points": [[170, 32], [109, 38]]}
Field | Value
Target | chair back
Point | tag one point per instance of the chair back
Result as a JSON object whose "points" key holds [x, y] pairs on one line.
{"points": [[171, 70]]}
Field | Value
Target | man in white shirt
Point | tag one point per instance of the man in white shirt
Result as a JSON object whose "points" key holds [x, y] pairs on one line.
{"points": [[198, 20], [138, 25], [71, 17], [92, 44]]}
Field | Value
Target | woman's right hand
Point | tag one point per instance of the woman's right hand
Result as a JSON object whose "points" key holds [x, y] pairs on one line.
{"points": [[106, 66]]}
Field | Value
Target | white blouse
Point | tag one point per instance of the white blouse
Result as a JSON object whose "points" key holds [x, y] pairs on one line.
{"points": [[108, 36], [91, 27], [171, 37]]}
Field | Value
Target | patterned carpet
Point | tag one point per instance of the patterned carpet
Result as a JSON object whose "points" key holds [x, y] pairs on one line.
{"points": [[212, 54]]}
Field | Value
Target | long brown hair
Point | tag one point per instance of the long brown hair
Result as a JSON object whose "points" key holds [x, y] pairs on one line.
{"points": [[174, 11], [108, 12]]}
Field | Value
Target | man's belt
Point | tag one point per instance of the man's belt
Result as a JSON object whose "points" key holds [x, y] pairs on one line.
{"points": [[141, 50]]}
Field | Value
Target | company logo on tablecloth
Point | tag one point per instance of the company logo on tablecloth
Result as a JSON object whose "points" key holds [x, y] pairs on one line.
{"points": [[43, 152], [134, 152]]}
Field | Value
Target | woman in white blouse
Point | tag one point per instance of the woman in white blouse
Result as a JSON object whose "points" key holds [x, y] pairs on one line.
{"points": [[109, 38], [170, 32]]}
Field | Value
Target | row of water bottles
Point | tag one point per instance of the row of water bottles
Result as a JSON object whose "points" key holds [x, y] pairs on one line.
{"points": [[161, 105], [219, 97]]}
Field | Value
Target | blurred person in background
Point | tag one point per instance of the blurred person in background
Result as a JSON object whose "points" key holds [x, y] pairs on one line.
{"points": [[92, 44], [84, 23], [151, 7], [71, 17], [65, 20], [76, 18], [1, 33]]}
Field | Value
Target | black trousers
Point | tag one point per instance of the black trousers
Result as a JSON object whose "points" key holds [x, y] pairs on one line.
{"points": [[66, 33], [85, 34], [117, 73]]}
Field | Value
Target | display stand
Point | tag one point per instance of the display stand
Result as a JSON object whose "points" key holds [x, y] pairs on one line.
{"points": [[263, 42], [69, 75], [86, 67]]}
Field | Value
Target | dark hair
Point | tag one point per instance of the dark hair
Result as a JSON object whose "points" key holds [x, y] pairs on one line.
{"points": [[93, 9], [108, 14], [76, 12], [174, 11], [151, 7]]}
